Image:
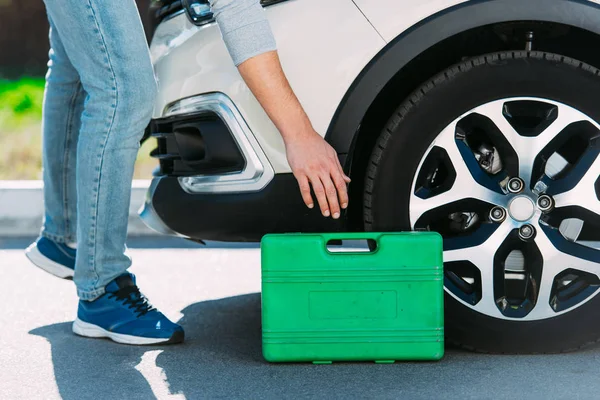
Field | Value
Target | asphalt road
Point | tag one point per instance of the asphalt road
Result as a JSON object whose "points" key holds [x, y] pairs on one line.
{"points": [[213, 292]]}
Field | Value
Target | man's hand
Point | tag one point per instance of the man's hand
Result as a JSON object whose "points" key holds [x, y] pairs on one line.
{"points": [[313, 161]]}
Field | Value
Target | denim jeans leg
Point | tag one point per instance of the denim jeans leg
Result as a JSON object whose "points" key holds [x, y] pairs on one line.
{"points": [[106, 44], [63, 104]]}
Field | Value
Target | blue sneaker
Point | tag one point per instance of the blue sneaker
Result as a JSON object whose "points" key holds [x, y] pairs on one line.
{"points": [[55, 258], [124, 315]]}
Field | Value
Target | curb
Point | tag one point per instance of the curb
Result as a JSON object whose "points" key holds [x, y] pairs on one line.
{"points": [[22, 208]]}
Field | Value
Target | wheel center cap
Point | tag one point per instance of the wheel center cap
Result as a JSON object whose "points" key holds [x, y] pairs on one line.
{"points": [[521, 208]]}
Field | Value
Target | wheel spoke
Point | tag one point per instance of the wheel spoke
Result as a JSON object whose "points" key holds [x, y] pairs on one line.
{"points": [[465, 185], [580, 264], [494, 111], [485, 264], [482, 257], [566, 117], [487, 304], [553, 265], [542, 307], [421, 206], [527, 148], [475, 238], [561, 254], [557, 258], [583, 194]]}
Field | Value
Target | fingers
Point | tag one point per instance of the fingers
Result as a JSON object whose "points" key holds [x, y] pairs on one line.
{"points": [[331, 190], [329, 184], [305, 191], [342, 188], [344, 176], [341, 182], [326, 192], [319, 190], [332, 198]]}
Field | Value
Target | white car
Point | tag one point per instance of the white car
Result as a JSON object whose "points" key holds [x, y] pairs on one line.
{"points": [[475, 119]]}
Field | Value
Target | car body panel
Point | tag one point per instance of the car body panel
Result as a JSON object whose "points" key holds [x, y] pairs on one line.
{"points": [[378, 13], [409, 12], [409, 44], [190, 60]]}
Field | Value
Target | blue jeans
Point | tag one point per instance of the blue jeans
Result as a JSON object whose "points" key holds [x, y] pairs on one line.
{"points": [[100, 91]]}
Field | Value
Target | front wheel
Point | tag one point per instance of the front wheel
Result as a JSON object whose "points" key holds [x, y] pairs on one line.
{"points": [[500, 155]]}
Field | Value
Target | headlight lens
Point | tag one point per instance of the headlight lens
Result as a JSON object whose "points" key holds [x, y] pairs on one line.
{"points": [[270, 2], [198, 11]]}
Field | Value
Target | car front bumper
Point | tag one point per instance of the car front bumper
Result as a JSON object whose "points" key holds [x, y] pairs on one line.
{"points": [[232, 217]]}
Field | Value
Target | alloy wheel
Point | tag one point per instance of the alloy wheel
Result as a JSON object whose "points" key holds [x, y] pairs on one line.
{"points": [[512, 186]]}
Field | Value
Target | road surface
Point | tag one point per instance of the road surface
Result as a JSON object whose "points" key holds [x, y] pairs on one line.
{"points": [[213, 292]]}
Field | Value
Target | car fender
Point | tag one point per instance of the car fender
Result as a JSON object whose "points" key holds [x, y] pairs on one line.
{"points": [[413, 41]]}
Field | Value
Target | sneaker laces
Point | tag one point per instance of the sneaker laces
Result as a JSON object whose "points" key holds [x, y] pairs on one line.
{"points": [[132, 297]]}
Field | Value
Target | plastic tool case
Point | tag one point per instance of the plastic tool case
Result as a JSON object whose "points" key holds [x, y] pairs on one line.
{"points": [[322, 306]]}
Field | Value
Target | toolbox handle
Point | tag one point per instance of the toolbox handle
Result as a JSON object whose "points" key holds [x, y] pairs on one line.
{"points": [[371, 239]]}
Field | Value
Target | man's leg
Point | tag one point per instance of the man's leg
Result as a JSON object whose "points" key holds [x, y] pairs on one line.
{"points": [[63, 105], [105, 42]]}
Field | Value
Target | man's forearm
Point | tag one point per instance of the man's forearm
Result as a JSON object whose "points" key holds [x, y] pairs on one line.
{"points": [[313, 161], [265, 78], [247, 34]]}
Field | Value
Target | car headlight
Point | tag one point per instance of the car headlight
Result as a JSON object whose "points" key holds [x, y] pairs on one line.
{"points": [[198, 11], [265, 3]]}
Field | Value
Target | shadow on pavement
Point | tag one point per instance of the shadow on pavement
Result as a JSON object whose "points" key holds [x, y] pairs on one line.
{"points": [[223, 338], [221, 358], [91, 368]]}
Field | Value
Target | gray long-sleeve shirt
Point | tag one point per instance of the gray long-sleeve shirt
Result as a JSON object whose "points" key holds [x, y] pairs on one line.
{"points": [[245, 28]]}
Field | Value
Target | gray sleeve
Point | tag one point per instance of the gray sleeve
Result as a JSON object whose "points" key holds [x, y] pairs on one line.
{"points": [[245, 28]]}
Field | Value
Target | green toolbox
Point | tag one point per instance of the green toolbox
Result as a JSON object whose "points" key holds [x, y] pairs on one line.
{"points": [[382, 305]]}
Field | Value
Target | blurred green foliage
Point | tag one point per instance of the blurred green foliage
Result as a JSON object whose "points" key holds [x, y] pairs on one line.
{"points": [[21, 101], [20, 132], [20, 120]]}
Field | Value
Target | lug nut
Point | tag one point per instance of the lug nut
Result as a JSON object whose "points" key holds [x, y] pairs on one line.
{"points": [[497, 214], [545, 203], [540, 188], [526, 232], [515, 185]]}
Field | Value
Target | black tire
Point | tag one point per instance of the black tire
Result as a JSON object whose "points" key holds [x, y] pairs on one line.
{"points": [[412, 129]]}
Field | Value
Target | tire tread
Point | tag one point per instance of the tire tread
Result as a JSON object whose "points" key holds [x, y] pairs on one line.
{"points": [[414, 99]]}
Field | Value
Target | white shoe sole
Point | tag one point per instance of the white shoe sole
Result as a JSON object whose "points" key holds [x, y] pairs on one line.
{"points": [[86, 329], [46, 264]]}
